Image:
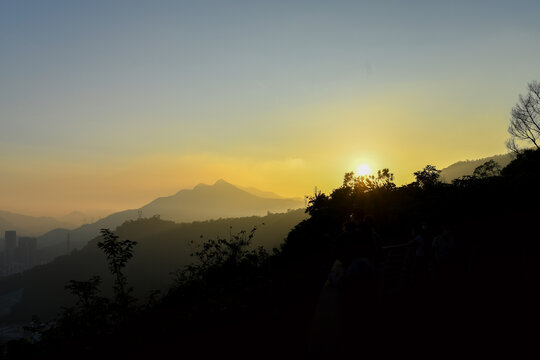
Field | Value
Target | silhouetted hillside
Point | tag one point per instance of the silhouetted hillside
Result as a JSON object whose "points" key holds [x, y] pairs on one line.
{"points": [[301, 301], [81, 235], [164, 246], [462, 168]]}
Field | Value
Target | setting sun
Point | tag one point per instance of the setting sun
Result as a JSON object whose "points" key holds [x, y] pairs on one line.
{"points": [[363, 170]]}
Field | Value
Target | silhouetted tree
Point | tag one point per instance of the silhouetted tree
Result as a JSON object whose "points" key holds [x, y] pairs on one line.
{"points": [[90, 314], [118, 253], [488, 169], [363, 184], [525, 119], [93, 314], [428, 177], [87, 292], [217, 256]]}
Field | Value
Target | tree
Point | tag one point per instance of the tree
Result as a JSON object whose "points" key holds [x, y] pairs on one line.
{"points": [[524, 125], [221, 260], [428, 177], [94, 314], [488, 169], [87, 293], [118, 253], [366, 183]]}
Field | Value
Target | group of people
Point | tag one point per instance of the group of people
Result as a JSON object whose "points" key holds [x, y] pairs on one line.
{"points": [[350, 291], [358, 256], [357, 251], [435, 254], [355, 283]]}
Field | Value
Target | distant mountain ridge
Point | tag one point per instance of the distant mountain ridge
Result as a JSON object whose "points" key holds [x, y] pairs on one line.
{"points": [[222, 199], [260, 193], [462, 168], [203, 202], [30, 225], [77, 218]]}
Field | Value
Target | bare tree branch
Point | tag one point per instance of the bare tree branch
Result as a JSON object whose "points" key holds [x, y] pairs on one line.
{"points": [[524, 125]]}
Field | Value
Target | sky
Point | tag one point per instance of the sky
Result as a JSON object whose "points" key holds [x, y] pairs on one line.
{"points": [[106, 105]]}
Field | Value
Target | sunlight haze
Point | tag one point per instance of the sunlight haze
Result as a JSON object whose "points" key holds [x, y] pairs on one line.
{"points": [[107, 105]]}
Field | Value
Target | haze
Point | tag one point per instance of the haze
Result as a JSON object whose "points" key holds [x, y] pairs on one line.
{"points": [[108, 105]]}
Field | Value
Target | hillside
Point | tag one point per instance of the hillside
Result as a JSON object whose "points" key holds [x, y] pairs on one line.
{"points": [[163, 247], [462, 168], [292, 302]]}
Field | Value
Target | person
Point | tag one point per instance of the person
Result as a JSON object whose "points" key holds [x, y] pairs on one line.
{"points": [[358, 286], [355, 249], [345, 242], [326, 332], [368, 225]]}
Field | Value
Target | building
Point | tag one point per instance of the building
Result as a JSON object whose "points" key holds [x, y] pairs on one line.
{"points": [[18, 255]]}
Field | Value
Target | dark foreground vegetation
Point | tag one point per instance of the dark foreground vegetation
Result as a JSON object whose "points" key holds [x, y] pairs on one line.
{"points": [[238, 301], [162, 247]]}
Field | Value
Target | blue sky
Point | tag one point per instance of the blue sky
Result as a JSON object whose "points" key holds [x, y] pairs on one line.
{"points": [[210, 89]]}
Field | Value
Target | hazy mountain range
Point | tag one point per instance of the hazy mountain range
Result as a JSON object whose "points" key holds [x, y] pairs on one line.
{"points": [[27, 225], [30, 225], [164, 245], [203, 202]]}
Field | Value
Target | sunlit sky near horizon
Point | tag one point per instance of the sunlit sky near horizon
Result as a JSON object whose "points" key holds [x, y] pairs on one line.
{"points": [[110, 104]]}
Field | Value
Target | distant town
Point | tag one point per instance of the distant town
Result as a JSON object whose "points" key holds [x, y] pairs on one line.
{"points": [[19, 253]]}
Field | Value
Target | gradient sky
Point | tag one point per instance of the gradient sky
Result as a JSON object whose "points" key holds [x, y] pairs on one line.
{"points": [[110, 104]]}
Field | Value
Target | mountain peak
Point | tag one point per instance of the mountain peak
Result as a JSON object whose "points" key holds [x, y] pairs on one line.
{"points": [[221, 182]]}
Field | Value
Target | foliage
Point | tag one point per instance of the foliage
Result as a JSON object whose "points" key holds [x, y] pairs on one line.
{"points": [[217, 256], [488, 169], [428, 177], [363, 184], [87, 292], [93, 314], [118, 253]]}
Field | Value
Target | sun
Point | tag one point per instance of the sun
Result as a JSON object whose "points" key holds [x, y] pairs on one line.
{"points": [[363, 170]]}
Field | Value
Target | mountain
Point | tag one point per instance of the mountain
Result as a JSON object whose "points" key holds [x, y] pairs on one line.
{"points": [[261, 193], [30, 225], [211, 202], [163, 247], [76, 217], [462, 168], [203, 202]]}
